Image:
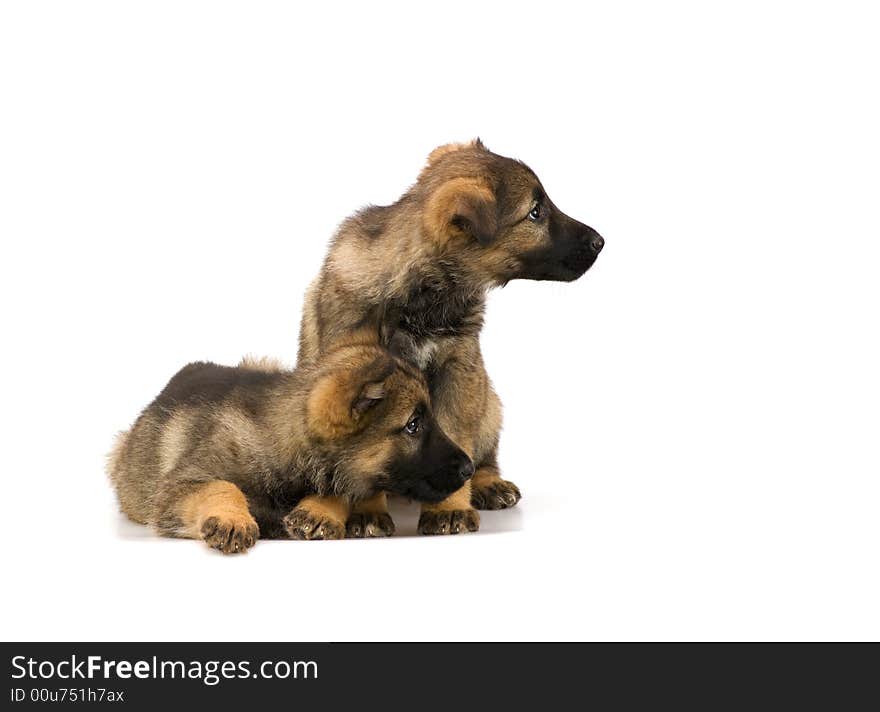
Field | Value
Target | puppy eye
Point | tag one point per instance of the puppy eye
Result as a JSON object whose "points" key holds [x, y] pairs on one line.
{"points": [[535, 213], [414, 425]]}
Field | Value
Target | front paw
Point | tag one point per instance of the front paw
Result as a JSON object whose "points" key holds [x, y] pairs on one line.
{"points": [[361, 525], [495, 494], [300, 523], [230, 535], [449, 521]]}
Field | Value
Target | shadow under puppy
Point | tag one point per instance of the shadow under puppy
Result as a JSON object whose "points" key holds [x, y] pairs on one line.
{"points": [[229, 454]]}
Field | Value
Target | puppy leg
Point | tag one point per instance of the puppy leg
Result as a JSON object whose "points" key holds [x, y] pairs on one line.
{"points": [[451, 516], [489, 491], [215, 511], [370, 518], [318, 518], [469, 411]]}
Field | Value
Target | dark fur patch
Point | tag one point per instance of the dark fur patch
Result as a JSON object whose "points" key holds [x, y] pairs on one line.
{"points": [[204, 382], [436, 307]]}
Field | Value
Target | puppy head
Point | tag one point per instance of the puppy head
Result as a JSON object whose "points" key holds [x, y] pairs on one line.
{"points": [[494, 213], [372, 413], [346, 391]]}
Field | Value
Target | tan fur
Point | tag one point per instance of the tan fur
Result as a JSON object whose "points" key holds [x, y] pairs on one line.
{"points": [[355, 270], [372, 456], [373, 505], [309, 334], [237, 429], [486, 438], [130, 505], [262, 363], [470, 199], [329, 410], [486, 477], [329, 415], [214, 499], [442, 151], [174, 440], [116, 451], [335, 509], [459, 501], [318, 518]]}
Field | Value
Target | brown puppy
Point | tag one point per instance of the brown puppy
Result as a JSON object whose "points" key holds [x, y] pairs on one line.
{"points": [[416, 273], [226, 454]]}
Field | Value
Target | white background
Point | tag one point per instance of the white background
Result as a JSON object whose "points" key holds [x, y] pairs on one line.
{"points": [[694, 424]]}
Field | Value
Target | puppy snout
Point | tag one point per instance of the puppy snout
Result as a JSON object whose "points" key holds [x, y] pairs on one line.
{"points": [[465, 469], [597, 243]]}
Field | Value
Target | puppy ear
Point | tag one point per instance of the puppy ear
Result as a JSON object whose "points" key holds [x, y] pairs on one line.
{"points": [[449, 148], [463, 206], [339, 401], [370, 394]]}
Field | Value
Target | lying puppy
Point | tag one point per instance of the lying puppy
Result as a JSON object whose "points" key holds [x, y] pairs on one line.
{"points": [[227, 454]]}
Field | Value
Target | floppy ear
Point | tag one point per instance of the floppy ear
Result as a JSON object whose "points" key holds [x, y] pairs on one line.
{"points": [[339, 401], [370, 394], [463, 206], [448, 148]]}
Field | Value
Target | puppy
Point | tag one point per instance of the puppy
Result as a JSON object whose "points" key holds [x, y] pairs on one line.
{"points": [[229, 454], [417, 273]]}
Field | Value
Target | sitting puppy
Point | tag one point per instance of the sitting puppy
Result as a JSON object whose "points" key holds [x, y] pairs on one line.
{"points": [[226, 454], [420, 269]]}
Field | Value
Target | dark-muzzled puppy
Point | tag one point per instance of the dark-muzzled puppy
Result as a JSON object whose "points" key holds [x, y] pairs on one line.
{"points": [[416, 273], [230, 454]]}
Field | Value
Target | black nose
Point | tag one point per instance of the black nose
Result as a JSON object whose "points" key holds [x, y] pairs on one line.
{"points": [[597, 243], [466, 469]]}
